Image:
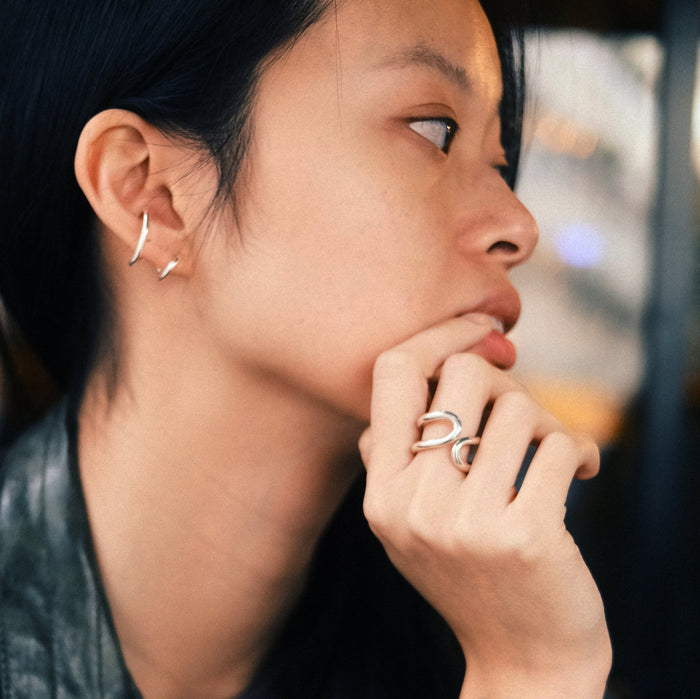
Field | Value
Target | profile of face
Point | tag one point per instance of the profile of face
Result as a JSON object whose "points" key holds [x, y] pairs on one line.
{"points": [[371, 205]]}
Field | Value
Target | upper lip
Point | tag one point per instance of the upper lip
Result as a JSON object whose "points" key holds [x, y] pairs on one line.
{"points": [[503, 304]]}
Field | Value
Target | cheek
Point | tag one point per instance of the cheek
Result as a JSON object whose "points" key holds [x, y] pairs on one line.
{"points": [[313, 313], [339, 262], [338, 221]]}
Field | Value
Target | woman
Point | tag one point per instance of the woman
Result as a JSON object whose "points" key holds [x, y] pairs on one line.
{"points": [[290, 231]]}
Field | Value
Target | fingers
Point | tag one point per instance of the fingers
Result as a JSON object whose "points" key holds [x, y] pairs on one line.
{"points": [[559, 457], [509, 431], [468, 386], [400, 388], [472, 547], [515, 422]]}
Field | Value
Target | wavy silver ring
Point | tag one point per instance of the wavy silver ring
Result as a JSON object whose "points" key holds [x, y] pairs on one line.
{"points": [[439, 441], [457, 452]]}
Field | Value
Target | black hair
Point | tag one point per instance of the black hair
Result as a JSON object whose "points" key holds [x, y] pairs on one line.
{"points": [[189, 67]]}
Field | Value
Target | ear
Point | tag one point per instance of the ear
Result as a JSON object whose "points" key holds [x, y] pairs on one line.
{"points": [[126, 167]]}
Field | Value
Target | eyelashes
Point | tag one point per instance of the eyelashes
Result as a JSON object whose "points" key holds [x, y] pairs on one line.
{"points": [[440, 131]]}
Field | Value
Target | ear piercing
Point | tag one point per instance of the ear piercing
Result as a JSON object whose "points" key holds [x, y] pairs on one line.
{"points": [[139, 249], [142, 240], [168, 268]]}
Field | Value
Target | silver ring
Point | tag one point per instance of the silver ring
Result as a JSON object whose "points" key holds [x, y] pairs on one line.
{"points": [[439, 441], [457, 452]]}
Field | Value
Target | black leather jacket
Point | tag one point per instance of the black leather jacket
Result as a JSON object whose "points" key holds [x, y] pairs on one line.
{"points": [[57, 638], [56, 633]]}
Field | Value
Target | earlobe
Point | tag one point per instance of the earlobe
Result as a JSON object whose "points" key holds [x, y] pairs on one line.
{"points": [[132, 174]]}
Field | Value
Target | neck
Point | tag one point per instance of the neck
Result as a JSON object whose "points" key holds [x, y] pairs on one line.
{"points": [[206, 501]]}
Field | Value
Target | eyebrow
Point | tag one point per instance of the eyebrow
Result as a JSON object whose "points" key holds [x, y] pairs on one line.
{"points": [[425, 55]]}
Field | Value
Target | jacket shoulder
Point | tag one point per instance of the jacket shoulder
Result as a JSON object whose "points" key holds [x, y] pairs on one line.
{"points": [[27, 468], [56, 637]]}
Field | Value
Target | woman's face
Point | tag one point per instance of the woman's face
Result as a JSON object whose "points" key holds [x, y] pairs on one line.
{"points": [[371, 206]]}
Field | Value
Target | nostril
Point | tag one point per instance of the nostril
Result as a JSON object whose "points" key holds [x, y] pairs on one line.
{"points": [[504, 246]]}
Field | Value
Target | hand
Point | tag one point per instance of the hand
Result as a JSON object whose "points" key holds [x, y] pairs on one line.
{"points": [[498, 565]]}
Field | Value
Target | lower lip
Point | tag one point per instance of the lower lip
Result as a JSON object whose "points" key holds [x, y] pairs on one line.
{"points": [[497, 349]]}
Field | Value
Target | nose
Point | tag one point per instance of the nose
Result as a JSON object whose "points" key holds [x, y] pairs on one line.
{"points": [[499, 225]]}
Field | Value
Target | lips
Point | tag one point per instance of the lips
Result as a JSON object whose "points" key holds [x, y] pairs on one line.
{"points": [[503, 307], [497, 349]]}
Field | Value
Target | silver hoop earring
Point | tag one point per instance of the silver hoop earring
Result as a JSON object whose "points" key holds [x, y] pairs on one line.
{"points": [[142, 240], [168, 268]]}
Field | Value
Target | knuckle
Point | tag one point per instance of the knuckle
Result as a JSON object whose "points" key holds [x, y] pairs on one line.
{"points": [[421, 528], [516, 402], [416, 524], [472, 537], [464, 363], [364, 445], [466, 544], [502, 545], [393, 362], [376, 513], [523, 547], [561, 444]]}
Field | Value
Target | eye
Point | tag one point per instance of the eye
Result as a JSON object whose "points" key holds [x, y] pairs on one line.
{"points": [[440, 131]]}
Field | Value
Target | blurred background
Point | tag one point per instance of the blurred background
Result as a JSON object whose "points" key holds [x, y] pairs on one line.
{"points": [[609, 338]]}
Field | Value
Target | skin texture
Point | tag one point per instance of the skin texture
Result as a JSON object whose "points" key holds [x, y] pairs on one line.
{"points": [[362, 263]]}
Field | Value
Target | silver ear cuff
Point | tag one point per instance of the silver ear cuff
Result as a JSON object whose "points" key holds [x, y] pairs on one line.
{"points": [[168, 268], [141, 241]]}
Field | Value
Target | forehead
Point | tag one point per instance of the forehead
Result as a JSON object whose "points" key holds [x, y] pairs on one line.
{"points": [[452, 37], [370, 59]]}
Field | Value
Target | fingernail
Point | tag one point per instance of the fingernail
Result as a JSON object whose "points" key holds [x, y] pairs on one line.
{"points": [[485, 319]]}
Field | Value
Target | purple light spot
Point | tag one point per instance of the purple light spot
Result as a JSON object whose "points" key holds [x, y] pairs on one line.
{"points": [[580, 245]]}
